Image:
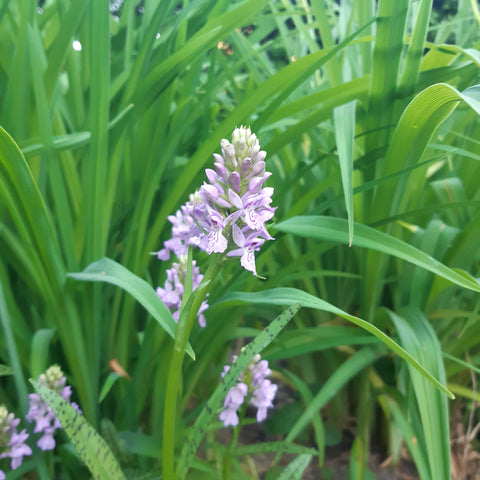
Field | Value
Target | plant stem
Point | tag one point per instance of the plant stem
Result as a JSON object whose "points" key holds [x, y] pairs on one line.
{"points": [[233, 443], [184, 327]]}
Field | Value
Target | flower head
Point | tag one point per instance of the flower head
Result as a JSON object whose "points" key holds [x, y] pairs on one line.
{"points": [[12, 443], [229, 212], [45, 420], [252, 385]]}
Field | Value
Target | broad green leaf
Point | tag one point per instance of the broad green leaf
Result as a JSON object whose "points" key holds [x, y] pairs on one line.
{"points": [[109, 271], [215, 402], [91, 447], [425, 113], [288, 296], [336, 230]]}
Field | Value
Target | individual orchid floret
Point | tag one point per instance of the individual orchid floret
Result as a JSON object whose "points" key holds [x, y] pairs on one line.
{"points": [[229, 212], [252, 387], [12, 443], [45, 420], [172, 293]]}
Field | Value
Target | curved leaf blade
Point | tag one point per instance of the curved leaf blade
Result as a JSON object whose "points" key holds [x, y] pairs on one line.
{"points": [[288, 296], [336, 230], [109, 271]]}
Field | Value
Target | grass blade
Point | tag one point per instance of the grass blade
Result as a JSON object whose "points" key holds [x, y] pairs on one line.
{"points": [[336, 230]]}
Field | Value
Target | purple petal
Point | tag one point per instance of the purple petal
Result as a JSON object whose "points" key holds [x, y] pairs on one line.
{"points": [[258, 167], [234, 179], [222, 202], [211, 175], [229, 417], [248, 261], [246, 164], [47, 442], [252, 219], [260, 156], [235, 200], [210, 190], [220, 168], [255, 184], [238, 236], [238, 252], [216, 242]]}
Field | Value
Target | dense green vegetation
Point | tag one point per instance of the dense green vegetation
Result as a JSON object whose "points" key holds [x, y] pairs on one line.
{"points": [[368, 112]]}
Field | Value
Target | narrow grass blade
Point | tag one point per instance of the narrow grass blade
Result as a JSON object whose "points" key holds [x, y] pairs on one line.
{"points": [[276, 447], [335, 382], [344, 117], [288, 296], [93, 450], [214, 403], [6, 321], [109, 271], [410, 433], [40, 350], [336, 230], [415, 49], [97, 165], [107, 386], [20, 195], [419, 338]]}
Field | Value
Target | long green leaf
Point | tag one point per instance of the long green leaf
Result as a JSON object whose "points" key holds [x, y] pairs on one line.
{"points": [[109, 271], [288, 296], [336, 230], [20, 195]]}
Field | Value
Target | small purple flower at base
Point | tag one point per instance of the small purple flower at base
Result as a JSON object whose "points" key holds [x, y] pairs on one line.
{"points": [[45, 420], [252, 386], [12, 443], [232, 403]]}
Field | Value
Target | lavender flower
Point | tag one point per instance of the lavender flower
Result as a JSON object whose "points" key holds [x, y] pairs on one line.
{"points": [[171, 294], [229, 212], [45, 420], [12, 443], [252, 385]]}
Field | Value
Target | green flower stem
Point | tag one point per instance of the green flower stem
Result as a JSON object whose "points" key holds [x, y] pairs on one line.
{"points": [[184, 327], [227, 462]]}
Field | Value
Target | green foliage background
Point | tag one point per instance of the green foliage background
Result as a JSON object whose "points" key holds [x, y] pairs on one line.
{"points": [[369, 114]]}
